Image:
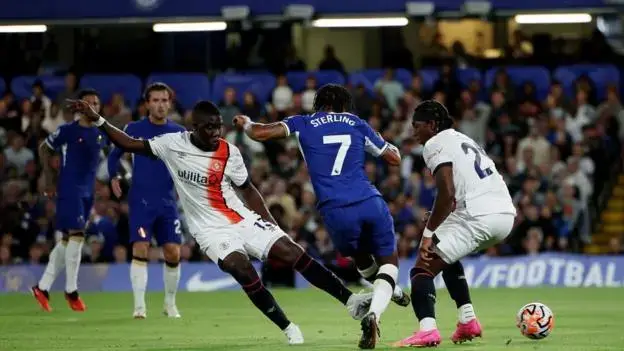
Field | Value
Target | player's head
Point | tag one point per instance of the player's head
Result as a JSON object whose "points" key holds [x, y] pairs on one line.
{"points": [[430, 117], [332, 98], [92, 97], [158, 98], [207, 123]]}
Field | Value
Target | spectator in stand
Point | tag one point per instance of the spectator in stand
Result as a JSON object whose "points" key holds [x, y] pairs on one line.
{"points": [[308, 94], [330, 61], [539, 145], [17, 155], [229, 106], [38, 96], [282, 96], [390, 88], [502, 83]]}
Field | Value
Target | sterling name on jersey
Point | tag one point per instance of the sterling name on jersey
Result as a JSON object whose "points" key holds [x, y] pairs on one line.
{"points": [[334, 147], [478, 185], [204, 180]]}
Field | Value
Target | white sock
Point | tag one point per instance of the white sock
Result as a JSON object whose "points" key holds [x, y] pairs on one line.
{"points": [[427, 324], [138, 278], [398, 292], [466, 313], [54, 267], [382, 290], [73, 255], [171, 277], [372, 270]]}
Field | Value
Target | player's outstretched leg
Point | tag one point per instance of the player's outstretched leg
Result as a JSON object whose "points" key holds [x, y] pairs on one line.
{"points": [[55, 265], [383, 288], [423, 302], [241, 269], [290, 253], [468, 327], [368, 269], [171, 277], [138, 277], [73, 255]]}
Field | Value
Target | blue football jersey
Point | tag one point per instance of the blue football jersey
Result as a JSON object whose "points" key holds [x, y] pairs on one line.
{"points": [[334, 147], [80, 155]]}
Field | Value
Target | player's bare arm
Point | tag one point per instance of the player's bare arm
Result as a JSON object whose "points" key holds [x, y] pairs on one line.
{"points": [[118, 137], [254, 200], [391, 155], [445, 200], [260, 131]]}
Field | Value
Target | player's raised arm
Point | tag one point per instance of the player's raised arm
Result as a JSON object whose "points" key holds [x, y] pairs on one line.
{"points": [[118, 137], [260, 131]]}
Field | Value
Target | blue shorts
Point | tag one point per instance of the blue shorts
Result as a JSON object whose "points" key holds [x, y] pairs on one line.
{"points": [[158, 221], [72, 212], [363, 227]]}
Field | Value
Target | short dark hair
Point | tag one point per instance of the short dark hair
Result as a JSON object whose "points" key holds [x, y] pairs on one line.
{"points": [[206, 108], [431, 110], [38, 83], [333, 96], [86, 92], [157, 86]]}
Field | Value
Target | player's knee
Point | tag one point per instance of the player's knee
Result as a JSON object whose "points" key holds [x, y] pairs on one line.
{"points": [[172, 255], [238, 266], [389, 273], [288, 252], [140, 249], [76, 234]]}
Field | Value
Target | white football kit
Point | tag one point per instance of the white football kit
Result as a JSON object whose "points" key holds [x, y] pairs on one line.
{"points": [[218, 219], [484, 213]]}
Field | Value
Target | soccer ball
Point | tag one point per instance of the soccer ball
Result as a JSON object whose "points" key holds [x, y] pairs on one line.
{"points": [[535, 320]]}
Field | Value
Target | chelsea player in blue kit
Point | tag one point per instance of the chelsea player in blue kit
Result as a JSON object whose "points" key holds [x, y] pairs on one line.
{"points": [[152, 203], [334, 143], [79, 145]]}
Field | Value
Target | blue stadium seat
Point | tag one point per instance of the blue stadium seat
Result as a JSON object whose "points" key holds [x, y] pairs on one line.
{"points": [[297, 80], [538, 75], [601, 75], [22, 86], [2, 86], [368, 77], [189, 87], [128, 85], [260, 84], [431, 75]]}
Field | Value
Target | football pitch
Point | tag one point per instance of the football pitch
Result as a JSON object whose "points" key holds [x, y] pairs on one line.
{"points": [[585, 319]]}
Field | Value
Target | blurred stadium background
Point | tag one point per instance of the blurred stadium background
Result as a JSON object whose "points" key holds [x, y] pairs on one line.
{"points": [[537, 83]]}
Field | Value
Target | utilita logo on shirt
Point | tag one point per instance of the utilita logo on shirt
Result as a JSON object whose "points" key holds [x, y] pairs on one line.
{"points": [[197, 178]]}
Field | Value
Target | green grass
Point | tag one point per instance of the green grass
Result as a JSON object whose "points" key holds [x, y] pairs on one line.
{"points": [[585, 319]]}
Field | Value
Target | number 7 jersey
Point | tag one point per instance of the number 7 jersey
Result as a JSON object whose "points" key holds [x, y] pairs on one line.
{"points": [[479, 188], [334, 147]]}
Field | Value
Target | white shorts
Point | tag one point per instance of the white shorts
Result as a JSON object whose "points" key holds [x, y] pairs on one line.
{"points": [[462, 234], [252, 237]]}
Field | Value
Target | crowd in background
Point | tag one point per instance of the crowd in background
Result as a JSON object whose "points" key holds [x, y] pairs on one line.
{"points": [[555, 155]]}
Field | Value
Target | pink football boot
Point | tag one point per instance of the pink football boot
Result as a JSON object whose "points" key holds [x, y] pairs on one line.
{"points": [[429, 338], [466, 331]]}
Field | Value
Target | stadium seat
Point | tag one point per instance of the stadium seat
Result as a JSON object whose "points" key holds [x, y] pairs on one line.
{"points": [[22, 86], [297, 80], [368, 77], [260, 84], [431, 75], [538, 75], [601, 75], [189, 87], [128, 85], [2, 86]]}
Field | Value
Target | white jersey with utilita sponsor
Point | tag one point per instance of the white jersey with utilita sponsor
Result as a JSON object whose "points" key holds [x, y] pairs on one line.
{"points": [[203, 180], [478, 185]]}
